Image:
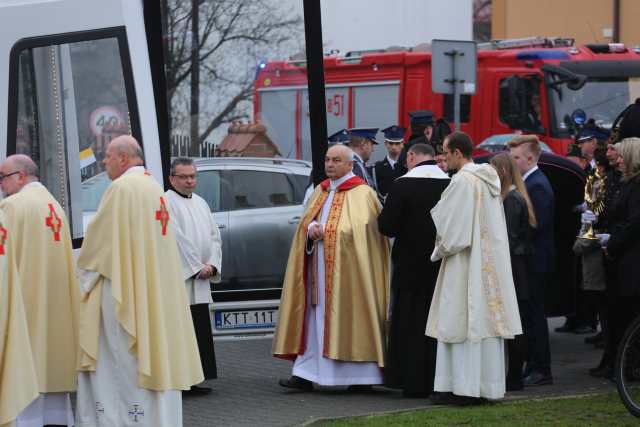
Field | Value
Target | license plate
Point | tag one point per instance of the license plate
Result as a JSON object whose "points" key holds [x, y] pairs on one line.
{"points": [[246, 319]]}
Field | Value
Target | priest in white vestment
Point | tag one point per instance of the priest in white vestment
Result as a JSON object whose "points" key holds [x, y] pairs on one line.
{"points": [[41, 242], [474, 306], [138, 349], [200, 250], [335, 296]]}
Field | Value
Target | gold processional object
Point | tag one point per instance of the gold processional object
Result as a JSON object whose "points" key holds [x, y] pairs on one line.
{"points": [[594, 194]]}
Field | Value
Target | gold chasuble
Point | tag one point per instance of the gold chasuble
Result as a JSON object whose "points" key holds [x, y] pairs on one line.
{"points": [[41, 242], [356, 279], [18, 384], [130, 242]]}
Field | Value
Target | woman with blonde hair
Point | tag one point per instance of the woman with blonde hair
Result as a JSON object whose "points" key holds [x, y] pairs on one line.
{"points": [[623, 244], [521, 221]]}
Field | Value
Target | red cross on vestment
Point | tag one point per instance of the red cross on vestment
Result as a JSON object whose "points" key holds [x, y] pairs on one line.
{"points": [[54, 222], [162, 215], [3, 238]]}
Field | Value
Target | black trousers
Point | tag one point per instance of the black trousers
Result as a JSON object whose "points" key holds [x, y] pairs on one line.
{"points": [[534, 323], [204, 336], [411, 356], [517, 352]]}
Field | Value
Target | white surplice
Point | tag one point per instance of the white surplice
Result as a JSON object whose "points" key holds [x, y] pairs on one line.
{"points": [[474, 305], [199, 243], [48, 408], [312, 365], [110, 396]]}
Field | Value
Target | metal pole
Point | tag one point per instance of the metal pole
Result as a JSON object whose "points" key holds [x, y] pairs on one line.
{"points": [[456, 93], [315, 82]]}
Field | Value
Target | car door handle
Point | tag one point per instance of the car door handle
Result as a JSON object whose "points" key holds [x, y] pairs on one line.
{"points": [[222, 226], [294, 220]]}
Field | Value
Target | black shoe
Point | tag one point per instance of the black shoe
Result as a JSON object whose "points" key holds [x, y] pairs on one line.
{"points": [[360, 388], [594, 339], [581, 330], [604, 371], [440, 398], [537, 378], [415, 394], [515, 385], [296, 383], [197, 391], [564, 328]]}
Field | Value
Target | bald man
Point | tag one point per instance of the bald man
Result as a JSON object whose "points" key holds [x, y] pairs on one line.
{"points": [[41, 243], [334, 299], [138, 348]]}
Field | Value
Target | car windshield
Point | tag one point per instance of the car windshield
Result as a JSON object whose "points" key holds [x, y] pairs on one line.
{"points": [[602, 99]]}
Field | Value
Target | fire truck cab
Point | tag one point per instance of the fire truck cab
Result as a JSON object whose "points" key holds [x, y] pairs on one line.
{"points": [[532, 85]]}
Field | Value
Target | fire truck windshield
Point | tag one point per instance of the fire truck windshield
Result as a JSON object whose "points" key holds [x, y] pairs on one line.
{"points": [[601, 98]]}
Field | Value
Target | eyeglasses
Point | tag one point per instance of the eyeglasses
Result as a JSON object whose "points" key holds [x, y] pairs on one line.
{"points": [[185, 177], [7, 175]]}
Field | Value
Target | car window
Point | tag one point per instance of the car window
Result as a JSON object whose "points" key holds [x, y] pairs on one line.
{"points": [[208, 187], [259, 189], [302, 182]]}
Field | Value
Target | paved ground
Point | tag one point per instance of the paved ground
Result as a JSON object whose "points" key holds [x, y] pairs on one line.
{"points": [[247, 392]]}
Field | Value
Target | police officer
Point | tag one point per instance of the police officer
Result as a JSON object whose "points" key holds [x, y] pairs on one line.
{"points": [[362, 141], [422, 125], [387, 170]]}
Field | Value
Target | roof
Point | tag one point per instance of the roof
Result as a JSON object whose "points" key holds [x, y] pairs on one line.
{"points": [[241, 135]]}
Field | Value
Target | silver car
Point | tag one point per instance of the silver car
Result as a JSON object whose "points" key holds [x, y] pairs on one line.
{"points": [[257, 203]]}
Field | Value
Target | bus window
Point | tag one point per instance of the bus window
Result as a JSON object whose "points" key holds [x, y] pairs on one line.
{"points": [[70, 100]]}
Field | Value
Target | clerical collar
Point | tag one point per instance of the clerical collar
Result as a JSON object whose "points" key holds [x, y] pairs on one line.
{"points": [[182, 195], [426, 162], [529, 172], [333, 184]]}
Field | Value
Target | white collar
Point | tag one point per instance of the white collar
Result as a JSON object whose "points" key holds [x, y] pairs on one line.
{"points": [[357, 157], [134, 169], [426, 171], [31, 185], [529, 172], [333, 184], [391, 161]]}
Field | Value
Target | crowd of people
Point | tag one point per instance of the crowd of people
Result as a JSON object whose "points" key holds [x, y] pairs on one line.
{"points": [[127, 325], [425, 273], [452, 299]]}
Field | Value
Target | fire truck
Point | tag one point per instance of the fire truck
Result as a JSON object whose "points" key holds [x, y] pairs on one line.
{"points": [[532, 85]]}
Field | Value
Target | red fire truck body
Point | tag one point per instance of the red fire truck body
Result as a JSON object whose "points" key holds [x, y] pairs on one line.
{"points": [[531, 89]]}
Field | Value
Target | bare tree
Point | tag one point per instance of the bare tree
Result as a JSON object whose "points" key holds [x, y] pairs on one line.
{"points": [[482, 20], [233, 37]]}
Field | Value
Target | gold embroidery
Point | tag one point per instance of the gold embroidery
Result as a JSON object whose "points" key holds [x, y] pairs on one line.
{"points": [[489, 276], [330, 244]]}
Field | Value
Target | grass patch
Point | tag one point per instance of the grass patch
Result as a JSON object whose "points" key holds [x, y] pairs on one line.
{"points": [[598, 410]]}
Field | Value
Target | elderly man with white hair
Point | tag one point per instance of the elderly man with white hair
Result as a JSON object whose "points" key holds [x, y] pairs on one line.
{"points": [[334, 299], [138, 348]]}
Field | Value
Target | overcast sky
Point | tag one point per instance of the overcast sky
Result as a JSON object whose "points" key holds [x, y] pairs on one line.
{"points": [[373, 24]]}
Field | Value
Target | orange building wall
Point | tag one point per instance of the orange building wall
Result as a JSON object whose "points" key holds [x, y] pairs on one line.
{"points": [[584, 20]]}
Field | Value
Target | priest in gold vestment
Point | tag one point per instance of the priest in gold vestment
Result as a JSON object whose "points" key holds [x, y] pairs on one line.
{"points": [[18, 383], [138, 346], [333, 310], [41, 243], [474, 306]]}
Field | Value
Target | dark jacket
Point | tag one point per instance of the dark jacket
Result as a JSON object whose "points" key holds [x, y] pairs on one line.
{"points": [[543, 201], [384, 175], [624, 243], [406, 216], [520, 240]]}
